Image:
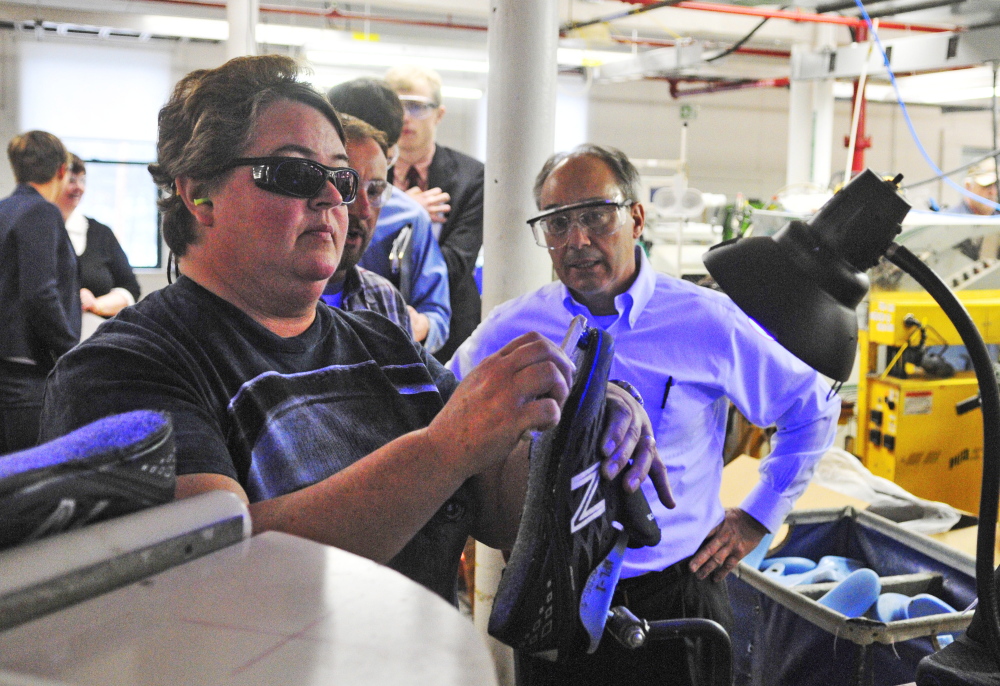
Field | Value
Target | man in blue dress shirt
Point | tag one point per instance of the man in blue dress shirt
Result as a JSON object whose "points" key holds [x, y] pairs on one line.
{"points": [[403, 248], [690, 352]]}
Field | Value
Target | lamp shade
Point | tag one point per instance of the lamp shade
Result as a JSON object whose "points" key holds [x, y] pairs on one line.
{"points": [[803, 284]]}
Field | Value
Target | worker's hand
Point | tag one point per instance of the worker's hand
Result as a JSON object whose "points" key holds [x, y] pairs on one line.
{"points": [[520, 388], [434, 200], [628, 438], [420, 324], [87, 300], [727, 544]]}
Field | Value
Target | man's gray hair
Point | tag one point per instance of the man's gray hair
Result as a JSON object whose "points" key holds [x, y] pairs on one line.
{"points": [[626, 175]]}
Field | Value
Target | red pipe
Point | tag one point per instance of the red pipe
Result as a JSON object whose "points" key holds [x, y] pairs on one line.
{"points": [[792, 15], [728, 86]]}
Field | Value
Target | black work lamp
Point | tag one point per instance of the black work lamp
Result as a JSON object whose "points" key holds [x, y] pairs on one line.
{"points": [[802, 285]]}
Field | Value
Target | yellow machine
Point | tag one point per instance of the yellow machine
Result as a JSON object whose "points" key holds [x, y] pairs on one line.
{"points": [[915, 431]]}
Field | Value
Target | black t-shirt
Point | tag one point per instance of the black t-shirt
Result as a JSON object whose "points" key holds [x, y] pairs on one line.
{"points": [[276, 414]]}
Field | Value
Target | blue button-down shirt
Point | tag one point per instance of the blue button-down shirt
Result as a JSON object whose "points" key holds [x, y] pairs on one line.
{"points": [[688, 349], [429, 292]]}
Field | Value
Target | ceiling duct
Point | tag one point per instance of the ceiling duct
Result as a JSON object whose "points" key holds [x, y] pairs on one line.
{"points": [[661, 62]]}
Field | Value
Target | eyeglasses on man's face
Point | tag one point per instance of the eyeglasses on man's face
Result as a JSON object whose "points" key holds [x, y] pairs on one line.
{"points": [[298, 177], [378, 192], [597, 217], [417, 106]]}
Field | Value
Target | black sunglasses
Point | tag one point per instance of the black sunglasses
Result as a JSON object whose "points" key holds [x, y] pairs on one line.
{"points": [[299, 177]]}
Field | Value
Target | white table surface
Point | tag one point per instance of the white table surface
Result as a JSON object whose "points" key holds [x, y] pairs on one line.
{"points": [[274, 609]]}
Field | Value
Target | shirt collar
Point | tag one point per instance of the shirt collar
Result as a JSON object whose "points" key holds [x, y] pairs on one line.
{"points": [[421, 165], [632, 302]]}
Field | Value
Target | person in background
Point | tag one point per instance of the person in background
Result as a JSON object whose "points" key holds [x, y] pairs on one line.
{"points": [[689, 352], [403, 248], [981, 179], [426, 168], [334, 426], [107, 283], [39, 288], [352, 287]]}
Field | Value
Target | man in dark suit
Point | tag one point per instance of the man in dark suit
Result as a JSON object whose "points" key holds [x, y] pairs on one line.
{"points": [[39, 284], [450, 185]]}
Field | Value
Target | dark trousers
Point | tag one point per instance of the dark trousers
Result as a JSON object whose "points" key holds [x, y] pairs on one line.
{"points": [[673, 593], [21, 389]]}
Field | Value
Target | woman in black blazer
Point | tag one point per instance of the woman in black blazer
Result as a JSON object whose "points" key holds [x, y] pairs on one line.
{"points": [[106, 279]]}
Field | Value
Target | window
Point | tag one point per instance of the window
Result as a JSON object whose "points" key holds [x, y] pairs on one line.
{"points": [[102, 101]]}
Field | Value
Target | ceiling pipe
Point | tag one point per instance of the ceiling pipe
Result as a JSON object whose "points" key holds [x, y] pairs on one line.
{"points": [[665, 43], [853, 22], [646, 7], [839, 5], [916, 7], [676, 92]]}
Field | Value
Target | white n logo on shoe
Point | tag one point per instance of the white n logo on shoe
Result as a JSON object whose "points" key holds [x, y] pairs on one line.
{"points": [[587, 511]]}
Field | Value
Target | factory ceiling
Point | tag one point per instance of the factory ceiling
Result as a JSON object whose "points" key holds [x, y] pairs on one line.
{"points": [[745, 40]]}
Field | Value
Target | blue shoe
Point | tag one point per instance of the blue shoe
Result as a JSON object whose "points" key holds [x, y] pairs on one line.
{"points": [[111, 467]]}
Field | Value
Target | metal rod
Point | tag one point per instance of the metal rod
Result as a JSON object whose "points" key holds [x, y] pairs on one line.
{"points": [[617, 15], [808, 17], [996, 121], [989, 497], [675, 92], [916, 7]]}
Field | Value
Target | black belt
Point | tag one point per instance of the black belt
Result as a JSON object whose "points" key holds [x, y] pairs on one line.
{"points": [[664, 576]]}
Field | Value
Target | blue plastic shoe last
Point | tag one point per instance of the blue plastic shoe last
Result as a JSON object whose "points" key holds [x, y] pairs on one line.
{"points": [[829, 568], [781, 566], [892, 607], [854, 595]]}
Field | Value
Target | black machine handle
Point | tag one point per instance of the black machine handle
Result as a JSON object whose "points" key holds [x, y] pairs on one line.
{"points": [[633, 633]]}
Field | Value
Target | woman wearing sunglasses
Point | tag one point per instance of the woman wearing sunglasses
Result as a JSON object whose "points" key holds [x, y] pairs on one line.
{"points": [[332, 425]]}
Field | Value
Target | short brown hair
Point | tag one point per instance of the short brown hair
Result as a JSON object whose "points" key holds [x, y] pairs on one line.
{"points": [[358, 130], [208, 122], [36, 156], [76, 165]]}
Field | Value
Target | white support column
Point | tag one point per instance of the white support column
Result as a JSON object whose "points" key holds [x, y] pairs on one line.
{"points": [[799, 162], [520, 125], [822, 132], [242, 16], [810, 120]]}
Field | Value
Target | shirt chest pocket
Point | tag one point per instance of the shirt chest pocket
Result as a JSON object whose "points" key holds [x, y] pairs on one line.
{"points": [[690, 417]]}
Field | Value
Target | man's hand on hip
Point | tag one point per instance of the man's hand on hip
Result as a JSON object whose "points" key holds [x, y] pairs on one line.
{"points": [[727, 544]]}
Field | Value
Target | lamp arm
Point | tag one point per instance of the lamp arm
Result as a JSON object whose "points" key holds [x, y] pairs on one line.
{"points": [[986, 586]]}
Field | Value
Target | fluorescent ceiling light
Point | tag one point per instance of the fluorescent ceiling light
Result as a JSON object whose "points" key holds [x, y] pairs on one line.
{"points": [[461, 92], [353, 57], [185, 27], [938, 88], [324, 79], [577, 57]]}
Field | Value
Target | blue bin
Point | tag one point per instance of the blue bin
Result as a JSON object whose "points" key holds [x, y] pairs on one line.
{"points": [[782, 637]]}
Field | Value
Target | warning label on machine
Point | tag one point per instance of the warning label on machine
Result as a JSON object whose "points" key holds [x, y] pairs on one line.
{"points": [[918, 402]]}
